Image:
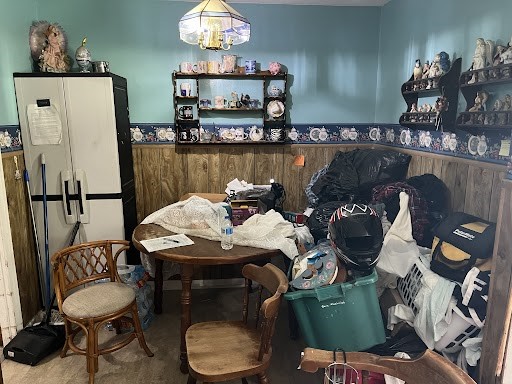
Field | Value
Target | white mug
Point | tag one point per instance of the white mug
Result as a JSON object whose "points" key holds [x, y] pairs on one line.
{"points": [[213, 67], [185, 89], [202, 67], [187, 67], [220, 102]]}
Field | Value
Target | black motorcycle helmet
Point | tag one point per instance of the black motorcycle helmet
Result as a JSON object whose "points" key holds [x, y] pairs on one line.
{"points": [[355, 231]]}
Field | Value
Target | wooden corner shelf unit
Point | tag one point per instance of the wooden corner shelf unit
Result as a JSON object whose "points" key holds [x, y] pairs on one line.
{"points": [[471, 83], [446, 85]]}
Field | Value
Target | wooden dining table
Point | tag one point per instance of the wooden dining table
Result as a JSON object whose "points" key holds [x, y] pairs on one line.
{"points": [[202, 252]]}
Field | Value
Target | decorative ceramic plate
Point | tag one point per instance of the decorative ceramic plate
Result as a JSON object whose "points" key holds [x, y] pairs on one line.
{"points": [[408, 138], [161, 134], [374, 134], [422, 139], [473, 145], [482, 146], [170, 135], [446, 142], [402, 137], [428, 140], [352, 134], [275, 108], [293, 135], [314, 134], [344, 133], [453, 144], [390, 136]]}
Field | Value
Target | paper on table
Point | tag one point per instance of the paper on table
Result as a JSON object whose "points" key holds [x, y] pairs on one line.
{"points": [[44, 124], [166, 242]]}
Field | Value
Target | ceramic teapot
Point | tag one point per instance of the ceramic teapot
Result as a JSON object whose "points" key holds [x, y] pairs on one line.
{"points": [[255, 133], [274, 91]]}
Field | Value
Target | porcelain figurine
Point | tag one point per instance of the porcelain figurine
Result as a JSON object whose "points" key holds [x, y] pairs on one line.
{"points": [[478, 61], [83, 57], [53, 57], [416, 73], [413, 108], [489, 52], [426, 69]]}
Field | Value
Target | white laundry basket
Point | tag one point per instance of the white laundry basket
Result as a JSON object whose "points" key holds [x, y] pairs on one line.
{"points": [[460, 329]]}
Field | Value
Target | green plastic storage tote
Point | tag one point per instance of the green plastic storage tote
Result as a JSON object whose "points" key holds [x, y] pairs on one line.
{"points": [[345, 315]]}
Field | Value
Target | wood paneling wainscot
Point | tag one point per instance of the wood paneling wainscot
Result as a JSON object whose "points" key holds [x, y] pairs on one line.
{"points": [[22, 236], [163, 173]]}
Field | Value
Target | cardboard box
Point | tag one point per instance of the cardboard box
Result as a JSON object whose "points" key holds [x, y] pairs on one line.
{"points": [[241, 210]]}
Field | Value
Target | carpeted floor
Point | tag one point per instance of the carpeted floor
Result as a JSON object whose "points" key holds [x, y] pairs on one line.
{"points": [[131, 365]]}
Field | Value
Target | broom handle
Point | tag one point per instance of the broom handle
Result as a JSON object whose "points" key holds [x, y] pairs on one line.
{"points": [[46, 247], [39, 264]]}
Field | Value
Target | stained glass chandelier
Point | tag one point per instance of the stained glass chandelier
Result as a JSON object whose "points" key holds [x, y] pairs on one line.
{"points": [[215, 25]]}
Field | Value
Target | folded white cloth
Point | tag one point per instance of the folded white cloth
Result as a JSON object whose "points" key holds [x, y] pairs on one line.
{"points": [[200, 217]]}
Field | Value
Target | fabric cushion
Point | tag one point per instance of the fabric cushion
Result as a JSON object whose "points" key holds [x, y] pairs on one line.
{"points": [[98, 300]]}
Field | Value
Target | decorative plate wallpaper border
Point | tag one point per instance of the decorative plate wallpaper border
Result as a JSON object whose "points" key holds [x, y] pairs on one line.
{"points": [[10, 138], [482, 146], [479, 146]]}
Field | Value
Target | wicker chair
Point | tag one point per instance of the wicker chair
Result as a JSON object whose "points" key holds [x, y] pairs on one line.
{"points": [[86, 306], [227, 350]]}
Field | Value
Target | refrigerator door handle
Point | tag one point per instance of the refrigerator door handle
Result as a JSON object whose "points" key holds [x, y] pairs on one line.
{"points": [[66, 177], [83, 204]]}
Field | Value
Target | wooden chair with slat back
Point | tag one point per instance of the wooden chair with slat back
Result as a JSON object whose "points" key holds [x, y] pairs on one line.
{"points": [[428, 368], [90, 293], [226, 350]]}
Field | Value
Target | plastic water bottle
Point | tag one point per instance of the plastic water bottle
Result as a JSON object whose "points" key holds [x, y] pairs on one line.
{"points": [[226, 237]]}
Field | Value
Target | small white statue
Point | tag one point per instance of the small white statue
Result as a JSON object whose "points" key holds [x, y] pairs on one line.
{"points": [[478, 61]]}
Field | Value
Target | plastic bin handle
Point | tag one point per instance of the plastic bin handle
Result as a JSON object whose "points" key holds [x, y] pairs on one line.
{"points": [[332, 292]]}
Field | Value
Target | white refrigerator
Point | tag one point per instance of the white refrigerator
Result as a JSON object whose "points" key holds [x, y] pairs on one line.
{"points": [[80, 123]]}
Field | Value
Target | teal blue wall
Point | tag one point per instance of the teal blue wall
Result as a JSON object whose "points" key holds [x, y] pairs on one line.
{"points": [[330, 52], [412, 29]]}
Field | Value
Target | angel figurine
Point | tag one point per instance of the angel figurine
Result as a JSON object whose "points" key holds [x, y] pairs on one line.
{"points": [[478, 61], [48, 47]]}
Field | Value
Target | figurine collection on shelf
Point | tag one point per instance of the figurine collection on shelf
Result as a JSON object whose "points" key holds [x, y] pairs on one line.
{"points": [[490, 62], [479, 114], [427, 76], [48, 49]]}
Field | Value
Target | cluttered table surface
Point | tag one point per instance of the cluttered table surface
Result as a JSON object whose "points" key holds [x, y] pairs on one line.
{"points": [[202, 252]]}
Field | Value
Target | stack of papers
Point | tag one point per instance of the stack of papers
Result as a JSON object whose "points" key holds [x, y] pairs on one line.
{"points": [[166, 242]]}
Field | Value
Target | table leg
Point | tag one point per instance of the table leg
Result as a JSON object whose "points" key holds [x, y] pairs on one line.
{"points": [[187, 271], [159, 285]]}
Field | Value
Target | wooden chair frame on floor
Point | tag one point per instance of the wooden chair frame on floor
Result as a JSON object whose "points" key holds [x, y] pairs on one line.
{"points": [[80, 265], [275, 282], [426, 369]]}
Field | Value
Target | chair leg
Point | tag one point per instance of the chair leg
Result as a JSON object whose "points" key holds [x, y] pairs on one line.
{"points": [[92, 351], [138, 330], [263, 378], [69, 336], [191, 380]]}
